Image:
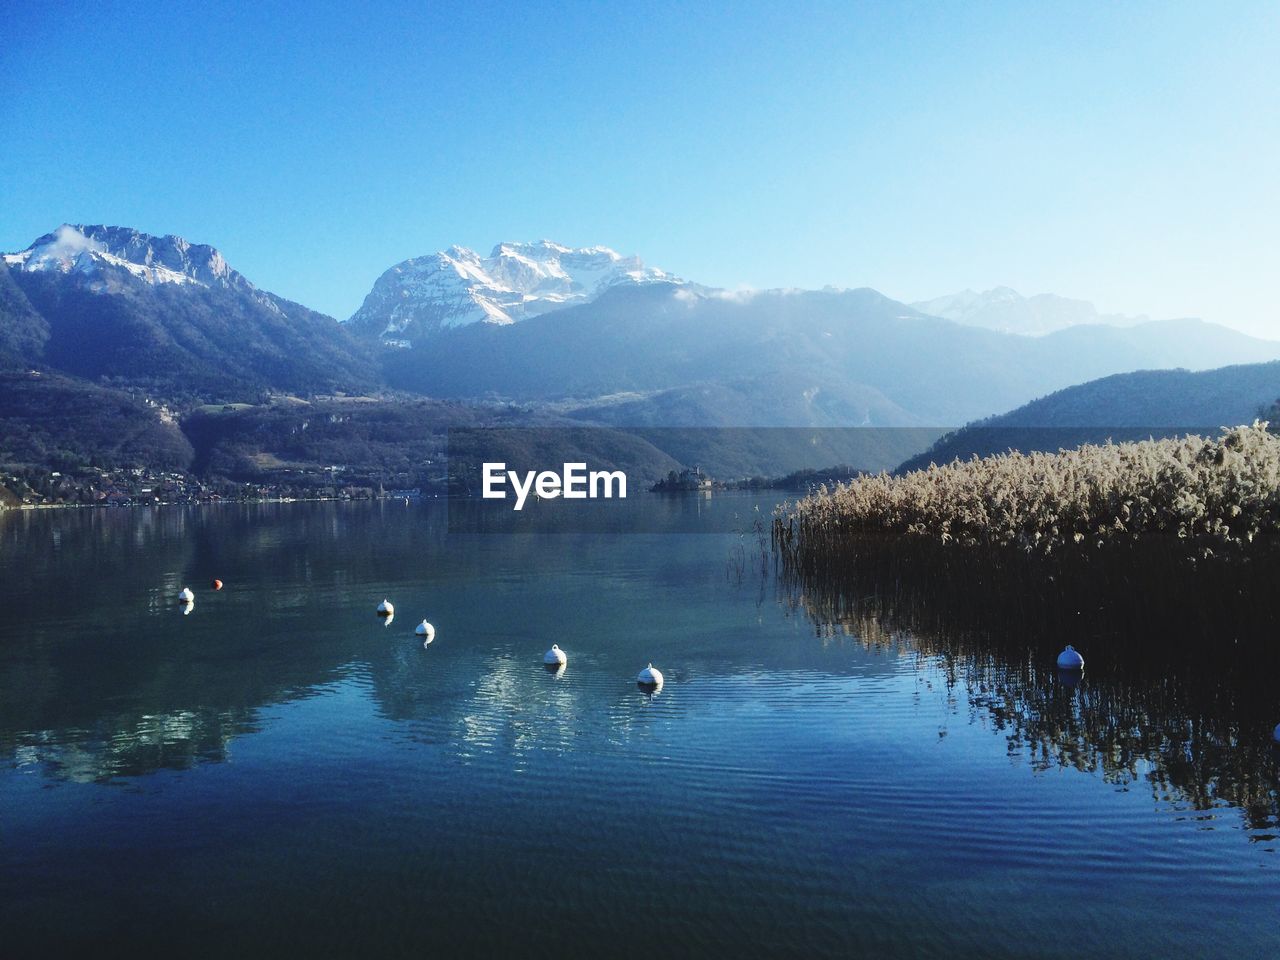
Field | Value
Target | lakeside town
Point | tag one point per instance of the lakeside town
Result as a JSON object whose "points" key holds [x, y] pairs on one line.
{"points": [[139, 486]]}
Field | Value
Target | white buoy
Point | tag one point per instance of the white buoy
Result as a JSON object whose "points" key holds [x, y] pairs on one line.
{"points": [[426, 630], [650, 676], [186, 596], [1069, 659], [386, 608], [554, 656]]}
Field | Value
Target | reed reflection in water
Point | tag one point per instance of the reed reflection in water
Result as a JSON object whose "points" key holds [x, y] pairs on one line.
{"points": [[1164, 703]]}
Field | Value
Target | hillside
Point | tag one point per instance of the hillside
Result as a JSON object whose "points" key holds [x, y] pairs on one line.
{"points": [[1129, 406], [53, 422], [412, 442], [787, 398], [97, 436], [23, 332]]}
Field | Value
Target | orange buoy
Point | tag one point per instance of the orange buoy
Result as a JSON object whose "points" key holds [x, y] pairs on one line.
{"points": [[217, 584]]}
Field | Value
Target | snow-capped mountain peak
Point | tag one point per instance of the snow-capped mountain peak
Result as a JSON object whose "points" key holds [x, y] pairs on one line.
{"points": [[106, 256], [455, 287]]}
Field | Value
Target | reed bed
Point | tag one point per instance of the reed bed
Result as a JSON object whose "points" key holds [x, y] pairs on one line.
{"points": [[1200, 497], [1170, 548]]}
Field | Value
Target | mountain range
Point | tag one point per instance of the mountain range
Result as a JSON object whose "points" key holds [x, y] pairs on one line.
{"points": [[543, 332]]}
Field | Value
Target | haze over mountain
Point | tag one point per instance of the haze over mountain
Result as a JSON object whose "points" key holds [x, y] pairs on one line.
{"points": [[1124, 406], [1008, 311], [456, 287], [661, 352]]}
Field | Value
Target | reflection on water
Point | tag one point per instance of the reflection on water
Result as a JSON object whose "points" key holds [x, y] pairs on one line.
{"points": [[1198, 741], [812, 770], [129, 745]]}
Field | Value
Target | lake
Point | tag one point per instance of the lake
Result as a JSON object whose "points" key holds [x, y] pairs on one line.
{"points": [[280, 770]]}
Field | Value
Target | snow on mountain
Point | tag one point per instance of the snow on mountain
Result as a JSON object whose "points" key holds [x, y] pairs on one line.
{"points": [[105, 257], [168, 315], [1008, 311], [456, 287]]}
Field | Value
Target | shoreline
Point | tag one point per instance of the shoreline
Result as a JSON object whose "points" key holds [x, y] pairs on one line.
{"points": [[197, 503]]}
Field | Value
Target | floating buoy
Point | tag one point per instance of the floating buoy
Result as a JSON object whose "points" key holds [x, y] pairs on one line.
{"points": [[216, 584], [425, 629], [186, 596], [386, 608], [650, 677], [1069, 659], [555, 656]]}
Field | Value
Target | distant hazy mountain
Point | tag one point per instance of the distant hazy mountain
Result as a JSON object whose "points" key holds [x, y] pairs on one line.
{"points": [[1008, 311], [1191, 343], [1122, 407], [797, 358], [456, 287], [118, 304]]}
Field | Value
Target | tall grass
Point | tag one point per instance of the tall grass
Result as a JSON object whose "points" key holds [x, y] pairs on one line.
{"points": [[1143, 542], [1204, 497]]}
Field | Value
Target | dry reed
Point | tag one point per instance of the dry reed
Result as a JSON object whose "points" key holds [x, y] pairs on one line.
{"points": [[1209, 496]]}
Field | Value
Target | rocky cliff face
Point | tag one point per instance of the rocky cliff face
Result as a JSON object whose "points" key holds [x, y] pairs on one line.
{"points": [[453, 288]]}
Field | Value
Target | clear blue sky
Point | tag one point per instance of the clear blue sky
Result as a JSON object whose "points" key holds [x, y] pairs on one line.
{"points": [[1123, 153]]}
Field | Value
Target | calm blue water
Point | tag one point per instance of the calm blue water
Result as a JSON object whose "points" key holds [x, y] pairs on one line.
{"points": [[279, 771]]}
